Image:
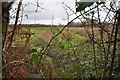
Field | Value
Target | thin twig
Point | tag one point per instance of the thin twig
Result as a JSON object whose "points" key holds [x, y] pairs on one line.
{"points": [[15, 25], [115, 42], [93, 43]]}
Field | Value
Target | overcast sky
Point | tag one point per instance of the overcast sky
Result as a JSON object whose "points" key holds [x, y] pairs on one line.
{"points": [[50, 11]]}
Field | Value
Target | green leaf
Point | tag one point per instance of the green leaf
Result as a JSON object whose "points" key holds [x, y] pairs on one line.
{"points": [[82, 5], [59, 37], [83, 23], [89, 21], [33, 51], [35, 58], [66, 47], [100, 3]]}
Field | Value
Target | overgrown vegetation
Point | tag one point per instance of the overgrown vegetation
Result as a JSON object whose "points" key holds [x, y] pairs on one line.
{"points": [[69, 51]]}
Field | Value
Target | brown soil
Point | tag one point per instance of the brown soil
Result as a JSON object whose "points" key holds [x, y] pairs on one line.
{"points": [[46, 37]]}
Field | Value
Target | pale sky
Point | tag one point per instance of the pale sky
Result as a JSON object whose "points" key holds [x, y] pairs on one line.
{"points": [[49, 12]]}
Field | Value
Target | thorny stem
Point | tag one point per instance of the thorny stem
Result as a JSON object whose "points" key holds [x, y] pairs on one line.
{"points": [[6, 21], [115, 42], [44, 50], [93, 43], [15, 26]]}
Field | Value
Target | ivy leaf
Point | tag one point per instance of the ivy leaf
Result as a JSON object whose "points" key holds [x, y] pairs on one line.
{"points": [[82, 5]]}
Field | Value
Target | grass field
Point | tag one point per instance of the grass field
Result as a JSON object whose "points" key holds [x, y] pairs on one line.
{"points": [[70, 40], [69, 54]]}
